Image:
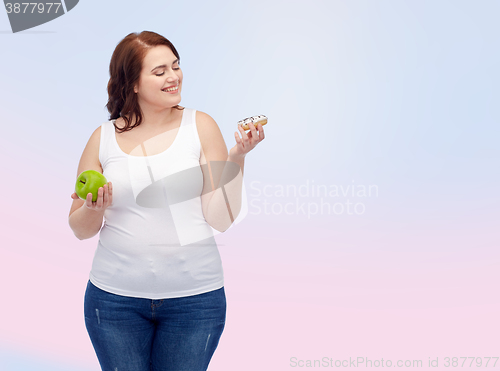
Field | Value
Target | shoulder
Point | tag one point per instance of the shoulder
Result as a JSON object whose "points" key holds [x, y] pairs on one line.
{"points": [[95, 138], [93, 144], [206, 125], [210, 134], [204, 119], [90, 155]]}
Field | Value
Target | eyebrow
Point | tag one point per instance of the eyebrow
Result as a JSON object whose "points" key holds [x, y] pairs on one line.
{"points": [[164, 65]]}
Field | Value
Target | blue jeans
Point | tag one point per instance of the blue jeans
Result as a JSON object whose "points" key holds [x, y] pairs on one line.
{"points": [[137, 334]]}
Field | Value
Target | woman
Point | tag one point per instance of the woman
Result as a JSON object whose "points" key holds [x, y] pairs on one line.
{"points": [[155, 297]]}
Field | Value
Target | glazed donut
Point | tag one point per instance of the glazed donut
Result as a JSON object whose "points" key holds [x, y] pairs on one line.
{"points": [[259, 119]]}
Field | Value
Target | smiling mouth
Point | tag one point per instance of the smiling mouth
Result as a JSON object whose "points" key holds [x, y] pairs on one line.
{"points": [[171, 90]]}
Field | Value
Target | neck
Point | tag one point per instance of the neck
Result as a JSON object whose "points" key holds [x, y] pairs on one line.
{"points": [[156, 118]]}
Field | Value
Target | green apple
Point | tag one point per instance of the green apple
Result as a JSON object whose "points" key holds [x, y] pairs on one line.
{"points": [[87, 182]]}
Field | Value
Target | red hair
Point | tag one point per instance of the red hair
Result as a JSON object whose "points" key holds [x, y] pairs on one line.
{"points": [[125, 69]]}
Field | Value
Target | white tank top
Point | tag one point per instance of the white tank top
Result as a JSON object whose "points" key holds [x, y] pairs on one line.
{"points": [[155, 242]]}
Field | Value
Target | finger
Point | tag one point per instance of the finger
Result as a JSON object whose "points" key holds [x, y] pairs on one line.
{"points": [[110, 191], [261, 132], [242, 131], [105, 195], [88, 200], [244, 136], [253, 131], [99, 197]]}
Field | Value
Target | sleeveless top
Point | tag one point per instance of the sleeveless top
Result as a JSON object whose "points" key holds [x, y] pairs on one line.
{"points": [[155, 242]]}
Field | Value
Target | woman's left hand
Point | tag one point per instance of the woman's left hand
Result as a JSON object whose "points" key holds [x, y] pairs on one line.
{"points": [[247, 142]]}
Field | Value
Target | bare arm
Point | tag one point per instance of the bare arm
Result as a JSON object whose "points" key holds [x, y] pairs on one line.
{"points": [[86, 223], [222, 187], [86, 217], [224, 205]]}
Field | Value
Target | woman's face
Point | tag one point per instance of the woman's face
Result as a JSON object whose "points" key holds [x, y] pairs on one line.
{"points": [[160, 70]]}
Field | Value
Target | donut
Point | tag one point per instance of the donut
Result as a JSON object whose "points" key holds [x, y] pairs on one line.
{"points": [[259, 119]]}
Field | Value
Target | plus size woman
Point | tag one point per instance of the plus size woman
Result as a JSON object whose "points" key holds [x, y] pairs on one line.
{"points": [[155, 296]]}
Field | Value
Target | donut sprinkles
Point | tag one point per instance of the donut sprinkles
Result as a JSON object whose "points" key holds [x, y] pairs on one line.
{"points": [[255, 119]]}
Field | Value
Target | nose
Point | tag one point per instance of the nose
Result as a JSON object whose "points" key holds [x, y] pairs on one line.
{"points": [[172, 77]]}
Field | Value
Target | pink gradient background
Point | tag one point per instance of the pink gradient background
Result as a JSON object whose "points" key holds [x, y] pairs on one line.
{"points": [[372, 286]]}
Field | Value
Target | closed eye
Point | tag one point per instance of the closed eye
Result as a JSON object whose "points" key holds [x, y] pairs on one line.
{"points": [[161, 74]]}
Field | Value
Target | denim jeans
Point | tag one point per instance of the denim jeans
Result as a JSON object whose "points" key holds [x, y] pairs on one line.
{"points": [[138, 334]]}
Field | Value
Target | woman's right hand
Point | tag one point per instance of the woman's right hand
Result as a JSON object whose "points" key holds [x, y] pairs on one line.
{"points": [[104, 198]]}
